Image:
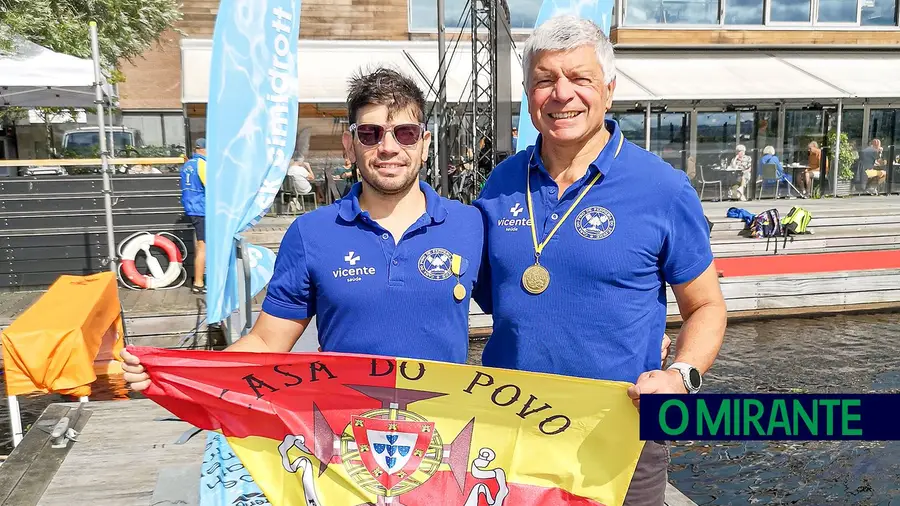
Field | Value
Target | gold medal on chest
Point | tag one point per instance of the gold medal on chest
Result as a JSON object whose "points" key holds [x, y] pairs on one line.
{"points": [[536, 279], [459, 292]]}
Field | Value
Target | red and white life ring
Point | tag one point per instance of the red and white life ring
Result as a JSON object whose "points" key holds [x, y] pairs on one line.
{"points": [[158, 279]]}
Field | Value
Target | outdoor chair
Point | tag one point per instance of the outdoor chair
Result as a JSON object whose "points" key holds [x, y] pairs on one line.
{"points": [[770, 175], [701, 179], [294, 198]]}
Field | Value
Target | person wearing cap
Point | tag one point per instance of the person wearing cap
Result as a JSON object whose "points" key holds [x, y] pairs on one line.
{"points": [[193, 199], [584, 232]]}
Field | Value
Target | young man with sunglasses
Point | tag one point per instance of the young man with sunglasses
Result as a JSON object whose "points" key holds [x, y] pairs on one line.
{"points": [[387, 270]]}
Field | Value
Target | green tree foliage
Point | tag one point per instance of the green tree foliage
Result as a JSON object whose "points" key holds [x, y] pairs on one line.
{"points": [[126, 28], [847, 155]]}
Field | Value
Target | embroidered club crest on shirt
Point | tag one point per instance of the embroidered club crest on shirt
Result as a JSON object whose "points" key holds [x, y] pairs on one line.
{"points": [[434, 264], [595, 223]]}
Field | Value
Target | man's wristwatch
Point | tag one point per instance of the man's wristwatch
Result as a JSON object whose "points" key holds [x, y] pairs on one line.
{"points": [[691, 376]]}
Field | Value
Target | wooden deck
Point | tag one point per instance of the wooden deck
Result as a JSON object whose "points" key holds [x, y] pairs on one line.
{"points": [[124, 456]]}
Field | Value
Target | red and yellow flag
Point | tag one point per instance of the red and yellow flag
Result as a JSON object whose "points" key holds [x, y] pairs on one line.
{"points": [[334, 429]]}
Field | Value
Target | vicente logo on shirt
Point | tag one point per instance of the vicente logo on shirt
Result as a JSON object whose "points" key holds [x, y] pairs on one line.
{"points": [[352, 272], [518, 219]]}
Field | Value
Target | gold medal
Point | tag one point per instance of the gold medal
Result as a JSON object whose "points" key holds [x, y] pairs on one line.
{"points": [[536, 279], [459, 291]]}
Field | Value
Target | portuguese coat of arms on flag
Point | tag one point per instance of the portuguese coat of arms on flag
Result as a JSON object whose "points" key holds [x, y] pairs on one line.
{"points": [[323, 429]]}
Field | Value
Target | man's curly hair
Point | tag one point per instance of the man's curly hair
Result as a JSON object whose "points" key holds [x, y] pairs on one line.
{"points": [[384, 86]]}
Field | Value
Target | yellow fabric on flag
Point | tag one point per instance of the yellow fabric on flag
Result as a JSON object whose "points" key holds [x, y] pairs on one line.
{"points": [[594, 457], [545, 431]]}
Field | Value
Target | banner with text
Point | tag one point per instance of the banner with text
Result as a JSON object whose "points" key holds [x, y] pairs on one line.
{"points": [[598, 11], [251, 132], [335, 429], [787, 417]]}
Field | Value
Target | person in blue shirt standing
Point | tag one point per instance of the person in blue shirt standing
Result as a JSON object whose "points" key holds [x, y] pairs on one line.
{"points": [[193, 199], [387, 270], [584, 231]]}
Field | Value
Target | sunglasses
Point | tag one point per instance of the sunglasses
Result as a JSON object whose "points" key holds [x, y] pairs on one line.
{"points": [[370, 134]]}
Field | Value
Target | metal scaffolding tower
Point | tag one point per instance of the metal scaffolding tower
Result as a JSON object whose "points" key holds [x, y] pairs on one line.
{"points": [[473, 132], [484, 96], [491, 96]]}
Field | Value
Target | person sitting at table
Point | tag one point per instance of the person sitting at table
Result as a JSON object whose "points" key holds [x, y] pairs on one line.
{"points": [[769, 157], [871, 162], [741, 162], [343, 176], [812, 169], [301, 175]]}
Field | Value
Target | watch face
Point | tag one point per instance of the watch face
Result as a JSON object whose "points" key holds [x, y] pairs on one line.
{"points": [[695, 378]]}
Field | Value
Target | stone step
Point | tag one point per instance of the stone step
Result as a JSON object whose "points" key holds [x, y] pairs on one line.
{"points": [[859, 230], [807, 244], [733, 224]]}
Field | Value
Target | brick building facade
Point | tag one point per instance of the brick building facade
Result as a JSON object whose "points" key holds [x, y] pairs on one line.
{"points": [[753, 39]]}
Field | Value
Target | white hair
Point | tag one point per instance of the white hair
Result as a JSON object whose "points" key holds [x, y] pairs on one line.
{"points": [[768, 150], [565, 33], [741, 148]]}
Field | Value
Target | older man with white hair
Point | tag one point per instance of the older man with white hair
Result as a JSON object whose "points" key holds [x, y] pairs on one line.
{"points": [[743, 163], [584, 229]]}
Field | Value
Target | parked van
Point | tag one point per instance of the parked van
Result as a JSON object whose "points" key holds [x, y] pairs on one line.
{"points": [[86, 140]]}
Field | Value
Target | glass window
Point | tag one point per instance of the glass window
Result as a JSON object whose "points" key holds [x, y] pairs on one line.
{"points": [[669, 133], [787, 11], [149, 126], [197, 129], [423, 14], [884, 125], [837, 11], [715, 137], [173, 126], [655, 12], [766, 126], [852, 125], [801, 128], [879, 13], [744, 12], [631, 125]]}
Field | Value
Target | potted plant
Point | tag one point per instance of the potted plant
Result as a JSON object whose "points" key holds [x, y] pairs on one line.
{"points": [[847, 157]]}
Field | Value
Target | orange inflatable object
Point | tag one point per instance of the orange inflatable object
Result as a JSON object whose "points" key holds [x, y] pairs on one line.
{"points": [[54, 345]]}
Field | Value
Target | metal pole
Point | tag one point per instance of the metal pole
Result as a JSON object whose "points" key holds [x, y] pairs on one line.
{"points": [[442, 158], [647, 127], [836, 163], [112, 141], [104, 155], [248, 295]]}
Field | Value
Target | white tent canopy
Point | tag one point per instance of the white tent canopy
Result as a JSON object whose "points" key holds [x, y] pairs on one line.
{"points": [[642, 76], [325, 66], [34, 76]]}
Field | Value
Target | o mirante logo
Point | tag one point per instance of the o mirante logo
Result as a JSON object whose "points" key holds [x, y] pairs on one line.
{"points": [[722, 417]]}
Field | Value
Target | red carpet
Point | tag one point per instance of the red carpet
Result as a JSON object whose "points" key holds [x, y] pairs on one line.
{"points": [[801, 264]]}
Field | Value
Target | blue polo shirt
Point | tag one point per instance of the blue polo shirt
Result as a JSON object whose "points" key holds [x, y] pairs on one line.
{"points": [[604, 313], [372, 294]]}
